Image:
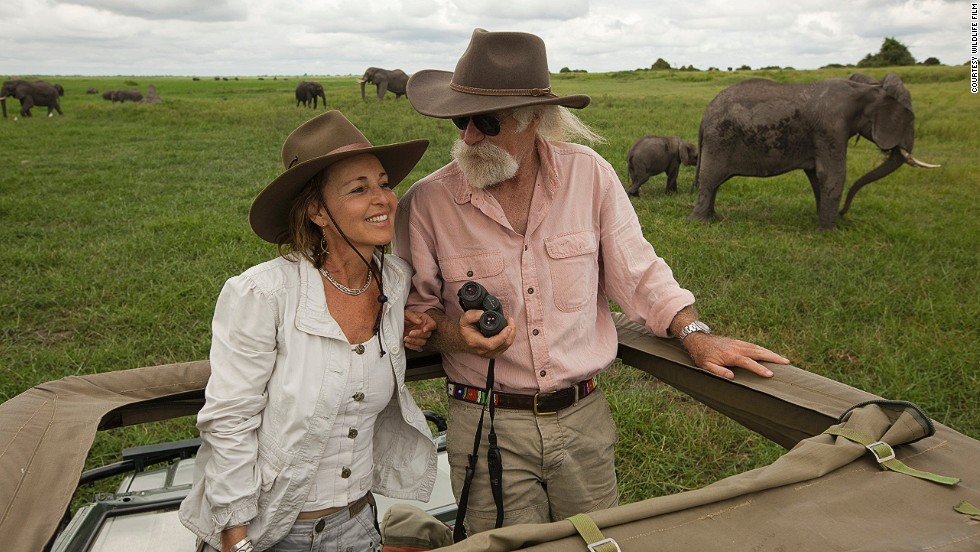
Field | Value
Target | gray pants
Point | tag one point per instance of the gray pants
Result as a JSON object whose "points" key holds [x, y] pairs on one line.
{"points": [[336, 532]]}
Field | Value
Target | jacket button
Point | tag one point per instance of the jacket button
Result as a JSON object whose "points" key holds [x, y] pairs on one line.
{"points": [[543, 373], [358, 396], [469, 273], [359, 348], [352, 433], [535, 332], [320, 524], [530, 291], [345, 473]]}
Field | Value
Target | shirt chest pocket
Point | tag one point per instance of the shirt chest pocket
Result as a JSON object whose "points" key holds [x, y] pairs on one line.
{"points": [[485, 267], [574, 269]]}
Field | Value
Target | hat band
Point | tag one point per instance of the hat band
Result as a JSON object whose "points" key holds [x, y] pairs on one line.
{"points": [[341, 149], [349, 147], [502, 91]]}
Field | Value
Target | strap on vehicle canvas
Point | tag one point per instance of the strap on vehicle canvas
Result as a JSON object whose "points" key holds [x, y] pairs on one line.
{"points": [[885, 455], [968, 509], [592, 535]]}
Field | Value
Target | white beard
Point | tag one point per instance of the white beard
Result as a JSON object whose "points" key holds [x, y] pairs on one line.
{"points": [[484, 164]]}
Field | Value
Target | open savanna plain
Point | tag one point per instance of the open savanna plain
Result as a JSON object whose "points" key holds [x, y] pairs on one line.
{"points": [[120, 222]]}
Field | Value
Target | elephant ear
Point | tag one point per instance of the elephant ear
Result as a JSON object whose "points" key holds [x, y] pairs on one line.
{"points": [[893, 122], [894, 87]]}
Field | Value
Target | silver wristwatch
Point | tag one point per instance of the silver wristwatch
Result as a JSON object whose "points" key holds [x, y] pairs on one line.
{"points": [[696, 326]]}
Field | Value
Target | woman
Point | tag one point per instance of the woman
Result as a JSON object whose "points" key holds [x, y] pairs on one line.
{"points": [[306, 409]]}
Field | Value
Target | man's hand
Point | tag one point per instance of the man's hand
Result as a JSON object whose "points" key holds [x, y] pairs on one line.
{"points": [[716, 353], [486, 347]]}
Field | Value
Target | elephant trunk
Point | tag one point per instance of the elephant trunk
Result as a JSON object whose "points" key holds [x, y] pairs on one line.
{"points": [[894, 161], [363, 82]]}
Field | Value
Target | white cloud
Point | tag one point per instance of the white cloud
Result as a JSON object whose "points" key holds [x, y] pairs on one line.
{"points": [[522, 10], [249, 37], [186, 10]]}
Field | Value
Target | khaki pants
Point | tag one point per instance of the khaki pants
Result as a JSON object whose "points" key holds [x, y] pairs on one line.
{"points": [[554, 466]]}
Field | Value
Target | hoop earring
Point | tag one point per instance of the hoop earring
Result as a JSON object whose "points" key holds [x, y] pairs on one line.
{"points": [[323, 245]]}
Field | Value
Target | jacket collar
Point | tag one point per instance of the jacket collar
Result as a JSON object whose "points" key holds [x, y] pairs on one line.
{"points": [[312, 315]]}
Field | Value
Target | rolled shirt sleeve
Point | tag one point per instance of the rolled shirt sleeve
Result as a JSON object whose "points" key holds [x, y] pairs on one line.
{"points": [[243, 354], [633, 275]]}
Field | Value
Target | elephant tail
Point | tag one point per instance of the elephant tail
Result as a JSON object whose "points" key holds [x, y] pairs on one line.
{"points": [[630, 165], [697, 170]]}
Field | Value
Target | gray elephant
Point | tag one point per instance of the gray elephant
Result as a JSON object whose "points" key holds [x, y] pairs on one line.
{"points": [[31, 94], [385, 80], [763, 128], [652, 155], [122, 95], [308, 92]]}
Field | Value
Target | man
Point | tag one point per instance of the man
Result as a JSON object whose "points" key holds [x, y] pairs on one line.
{"points": [[547, 228]]}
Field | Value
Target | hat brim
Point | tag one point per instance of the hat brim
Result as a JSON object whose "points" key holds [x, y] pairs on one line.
{"points": [[269, 214], [430, 94]]}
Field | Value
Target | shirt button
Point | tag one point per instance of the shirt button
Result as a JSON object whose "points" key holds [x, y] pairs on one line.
{"points": [[358, 396], [530, 291], [345, 473], [359, 348], [535, 332], [543, 373], [352, 433]]}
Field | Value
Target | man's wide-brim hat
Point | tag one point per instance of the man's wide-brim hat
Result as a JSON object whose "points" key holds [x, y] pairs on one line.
{"points": [[312, 147], [498, 70]]}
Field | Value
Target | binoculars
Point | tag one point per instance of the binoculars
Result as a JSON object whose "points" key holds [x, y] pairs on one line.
{"points": [[474, 296]]}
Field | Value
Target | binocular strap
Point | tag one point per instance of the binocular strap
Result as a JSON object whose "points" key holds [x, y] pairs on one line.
{"points": [[493, 463]]}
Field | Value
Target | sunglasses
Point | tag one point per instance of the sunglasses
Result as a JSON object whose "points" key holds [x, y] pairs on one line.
{"points": [[485, 122]]}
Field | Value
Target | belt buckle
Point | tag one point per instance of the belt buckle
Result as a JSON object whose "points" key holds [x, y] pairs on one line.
{"points": [[535, 407]]}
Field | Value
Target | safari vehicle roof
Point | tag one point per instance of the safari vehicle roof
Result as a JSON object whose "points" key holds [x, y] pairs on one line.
{"points": [[826, 493]]}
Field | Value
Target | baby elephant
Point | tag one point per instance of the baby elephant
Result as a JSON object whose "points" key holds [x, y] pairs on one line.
{"points": [[652, 155]]}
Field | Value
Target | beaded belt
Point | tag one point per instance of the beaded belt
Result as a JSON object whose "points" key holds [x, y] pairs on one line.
{"points": [[539, 403]]}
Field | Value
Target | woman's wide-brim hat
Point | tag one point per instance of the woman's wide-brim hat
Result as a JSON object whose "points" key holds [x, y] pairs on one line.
{"points": [[312, 147], [498, 70]]}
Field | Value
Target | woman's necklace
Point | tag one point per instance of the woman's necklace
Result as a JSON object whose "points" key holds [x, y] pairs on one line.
{"points": [[342, 287]]}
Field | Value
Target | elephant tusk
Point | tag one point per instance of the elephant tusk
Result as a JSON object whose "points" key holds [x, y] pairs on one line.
{"points": [[916, 163]]}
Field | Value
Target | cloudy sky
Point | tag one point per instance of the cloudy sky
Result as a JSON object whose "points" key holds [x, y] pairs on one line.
{"points": [[341, 37]]}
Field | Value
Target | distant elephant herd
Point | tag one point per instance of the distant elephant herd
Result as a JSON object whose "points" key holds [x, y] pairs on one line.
{"points": [[44, 94], [756, 128], [763, 128]]}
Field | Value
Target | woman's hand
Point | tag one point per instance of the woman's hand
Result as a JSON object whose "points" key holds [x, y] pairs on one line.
{"points": [[418, 328]]}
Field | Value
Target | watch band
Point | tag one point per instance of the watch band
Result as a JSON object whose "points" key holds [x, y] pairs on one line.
{"points": [[696, 326]]}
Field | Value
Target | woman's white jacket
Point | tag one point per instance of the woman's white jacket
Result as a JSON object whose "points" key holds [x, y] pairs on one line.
{"points": [[279, 365]]}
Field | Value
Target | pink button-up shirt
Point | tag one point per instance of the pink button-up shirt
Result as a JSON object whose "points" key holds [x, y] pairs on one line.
{"points": [[583, 243]]}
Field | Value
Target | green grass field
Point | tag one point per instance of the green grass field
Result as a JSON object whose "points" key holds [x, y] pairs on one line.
{"points": [[119, 223]]}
